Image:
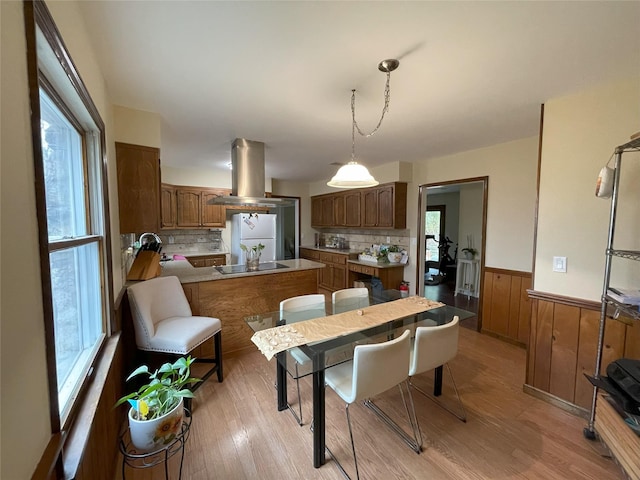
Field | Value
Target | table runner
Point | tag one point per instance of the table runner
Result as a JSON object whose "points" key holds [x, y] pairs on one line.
{"points": [[278, 339]]}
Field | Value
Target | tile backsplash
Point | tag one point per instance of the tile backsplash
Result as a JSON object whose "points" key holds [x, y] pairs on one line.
{"points": [[361, 239]]}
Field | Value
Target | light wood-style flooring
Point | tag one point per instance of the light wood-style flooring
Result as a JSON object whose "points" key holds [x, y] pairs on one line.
{"points": [[237, 432]]}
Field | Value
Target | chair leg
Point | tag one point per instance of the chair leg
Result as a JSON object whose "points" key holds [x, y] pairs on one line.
{"points": [[414, 443], [461, 416], [353, 445], [217, 340]]}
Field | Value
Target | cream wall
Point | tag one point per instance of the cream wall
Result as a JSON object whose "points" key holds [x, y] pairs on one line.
{"points": [[136, 127], [580, 133], [511, 168], [25, 428], [25, 407], [196, 177]]}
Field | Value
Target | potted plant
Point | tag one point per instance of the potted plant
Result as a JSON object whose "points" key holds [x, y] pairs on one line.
{"points": [[157, 408], [469, 253], [252, 255], [394, 254]]}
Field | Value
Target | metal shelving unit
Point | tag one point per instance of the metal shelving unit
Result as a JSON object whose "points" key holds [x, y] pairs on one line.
{"points": [[611, 308]]}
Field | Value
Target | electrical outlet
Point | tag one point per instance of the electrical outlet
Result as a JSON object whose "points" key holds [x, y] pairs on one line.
{"points": [[388, 239], [560, 264]]}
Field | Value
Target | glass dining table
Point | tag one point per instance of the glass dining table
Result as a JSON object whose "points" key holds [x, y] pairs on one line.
{"points": [[338, 348]]}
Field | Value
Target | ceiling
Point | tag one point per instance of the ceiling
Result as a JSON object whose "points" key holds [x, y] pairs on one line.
{"points": [[471, 74]]}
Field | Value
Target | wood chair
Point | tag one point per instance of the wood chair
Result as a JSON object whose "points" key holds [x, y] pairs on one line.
{"points": [[164, 324], [375, 369]]}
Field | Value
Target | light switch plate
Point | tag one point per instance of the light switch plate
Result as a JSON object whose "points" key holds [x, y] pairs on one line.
{"points": [[560, 264]]}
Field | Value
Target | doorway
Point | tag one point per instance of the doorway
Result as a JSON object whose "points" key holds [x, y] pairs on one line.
{"points": [[452, 225]]}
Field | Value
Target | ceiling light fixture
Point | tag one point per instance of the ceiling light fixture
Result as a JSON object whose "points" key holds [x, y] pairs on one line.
{"points": [[354, 175]]}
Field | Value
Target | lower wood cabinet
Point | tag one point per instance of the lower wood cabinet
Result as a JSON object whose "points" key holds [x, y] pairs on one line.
{"points": [[334, 275], [207, 260]]}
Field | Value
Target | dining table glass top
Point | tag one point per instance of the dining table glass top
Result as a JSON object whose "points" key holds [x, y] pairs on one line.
{"points": [[304, 359]]}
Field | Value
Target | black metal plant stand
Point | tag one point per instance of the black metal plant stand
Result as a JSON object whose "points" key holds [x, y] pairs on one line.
{"points": [[135, 459]]}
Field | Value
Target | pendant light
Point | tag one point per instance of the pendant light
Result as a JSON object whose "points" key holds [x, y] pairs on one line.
{"points": [[353, 174]]}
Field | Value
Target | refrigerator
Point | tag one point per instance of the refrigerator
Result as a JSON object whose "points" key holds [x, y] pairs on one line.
{"points": [[251, 229]]}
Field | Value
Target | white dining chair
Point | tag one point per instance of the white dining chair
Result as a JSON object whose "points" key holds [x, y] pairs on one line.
{"points": [[163, 323], [434, 347], [356, 294], [297, 309], [375, 369]]}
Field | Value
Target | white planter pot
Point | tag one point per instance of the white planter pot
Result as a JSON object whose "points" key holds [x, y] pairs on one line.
{"points": [[394, 257], [150, 435]]}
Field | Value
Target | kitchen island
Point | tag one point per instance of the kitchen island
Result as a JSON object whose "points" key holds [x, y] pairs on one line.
{"points": [[232, 297]]}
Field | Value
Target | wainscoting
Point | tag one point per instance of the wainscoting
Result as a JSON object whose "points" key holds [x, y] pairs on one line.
{"points": [[563, 344], [506, 309]]}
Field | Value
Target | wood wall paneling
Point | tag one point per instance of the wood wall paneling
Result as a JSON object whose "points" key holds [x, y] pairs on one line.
{"points": [[563, 345], [542, 344], [564, 350]]}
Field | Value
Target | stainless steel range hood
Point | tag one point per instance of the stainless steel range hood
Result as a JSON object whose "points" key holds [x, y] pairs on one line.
{"points": [[248, 177]]}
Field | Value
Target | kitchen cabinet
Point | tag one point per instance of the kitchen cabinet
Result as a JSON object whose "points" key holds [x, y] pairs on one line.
{"points": [[384, 206], [168, 206], [334, 276], [138, 187], [191, 207], [207, 260]]}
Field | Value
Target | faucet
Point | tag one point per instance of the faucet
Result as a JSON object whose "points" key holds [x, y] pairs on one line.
{"points": [[155, 237]]}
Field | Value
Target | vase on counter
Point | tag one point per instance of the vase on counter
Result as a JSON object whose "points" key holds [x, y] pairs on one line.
{"points": [[253, 260]]}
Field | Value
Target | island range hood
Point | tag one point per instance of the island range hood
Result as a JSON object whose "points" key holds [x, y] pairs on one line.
{"points": [[248, 177]]}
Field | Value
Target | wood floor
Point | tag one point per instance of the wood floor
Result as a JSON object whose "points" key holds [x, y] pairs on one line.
{"points": [[237, 433]]}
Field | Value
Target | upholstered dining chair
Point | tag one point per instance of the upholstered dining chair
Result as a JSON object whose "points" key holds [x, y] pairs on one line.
{"points": [[433, 347], [375, 368], [163, 322], [359, 294], [297, 309]]}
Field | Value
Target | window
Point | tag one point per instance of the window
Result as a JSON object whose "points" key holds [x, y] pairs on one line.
{"points": [[434, 228], [72, 219], [74, 254]]}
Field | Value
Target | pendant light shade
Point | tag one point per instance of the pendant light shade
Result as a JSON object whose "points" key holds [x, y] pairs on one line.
{"points": [[352, 175]]}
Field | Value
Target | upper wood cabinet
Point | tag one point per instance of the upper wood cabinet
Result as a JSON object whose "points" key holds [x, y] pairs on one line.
{"points": [[384, 206], [138, 187], [191, 207], [168, 206]]}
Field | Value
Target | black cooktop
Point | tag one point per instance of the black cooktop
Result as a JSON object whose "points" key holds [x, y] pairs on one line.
{"points": [[228, 269]]}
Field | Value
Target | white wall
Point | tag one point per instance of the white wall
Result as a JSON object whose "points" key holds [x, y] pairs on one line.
{"points": [[580, 133], [25, 407]]}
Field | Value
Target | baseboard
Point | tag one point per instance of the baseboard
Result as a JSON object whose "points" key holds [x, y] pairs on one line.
{"points": [[556, 401]]}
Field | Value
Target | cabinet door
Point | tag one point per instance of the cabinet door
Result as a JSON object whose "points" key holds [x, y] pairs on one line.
{"points": [[212, 215], [168, 206], [352, 209], [316, 211], [325, 278], [338, 277], [188, 208], [339, 213], [370, 208], [386, 210], [138, 188], [327, 211]]}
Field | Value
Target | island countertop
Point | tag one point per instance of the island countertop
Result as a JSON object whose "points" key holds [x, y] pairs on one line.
{"points": [[187, 273]]}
